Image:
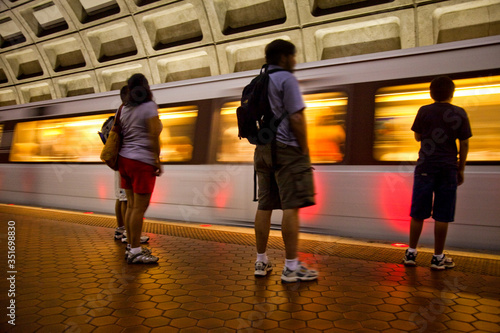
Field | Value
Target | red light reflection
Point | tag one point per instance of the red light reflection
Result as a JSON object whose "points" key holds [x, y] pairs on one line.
{"points": [[222, 197], [394, 200], [308, 214], [103, 187], [102, 191]]}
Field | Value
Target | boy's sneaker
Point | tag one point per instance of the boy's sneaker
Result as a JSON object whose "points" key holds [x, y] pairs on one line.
{"points": [[119, 233], [143, 257], [144, 238], [410, 258], [261, 269], [444, 263], [300, 274]]}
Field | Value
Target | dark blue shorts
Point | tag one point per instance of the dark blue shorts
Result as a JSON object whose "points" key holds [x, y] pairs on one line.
{"points": [[441, 185]]}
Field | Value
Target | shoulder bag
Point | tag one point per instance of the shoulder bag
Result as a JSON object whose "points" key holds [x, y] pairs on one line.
{"points": [[109, 153]]}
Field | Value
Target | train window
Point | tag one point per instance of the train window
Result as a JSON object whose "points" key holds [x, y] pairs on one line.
{"points": [[230, 148], [178, 133], [397, 106], [58, 140], [75, 139], [325, 116]]}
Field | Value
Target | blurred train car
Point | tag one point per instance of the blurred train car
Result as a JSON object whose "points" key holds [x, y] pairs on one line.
{"points": [[359, 113]]}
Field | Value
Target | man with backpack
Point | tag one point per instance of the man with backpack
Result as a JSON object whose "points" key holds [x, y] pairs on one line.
{"points": [[282, 164]]}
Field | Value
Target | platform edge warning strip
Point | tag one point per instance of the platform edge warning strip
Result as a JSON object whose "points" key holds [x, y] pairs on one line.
{"points": [[483, 266]]}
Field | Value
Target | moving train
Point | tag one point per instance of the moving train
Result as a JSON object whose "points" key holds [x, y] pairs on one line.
{"points": [[359, 113]]}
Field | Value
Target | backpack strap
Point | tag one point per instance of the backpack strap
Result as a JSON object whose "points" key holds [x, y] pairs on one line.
{"points": [[265, 69], [277, 122]]}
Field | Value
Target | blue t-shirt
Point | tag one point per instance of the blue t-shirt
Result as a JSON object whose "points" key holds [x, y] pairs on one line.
{"points": [[136, 141], [440, 125], [285, 96]]}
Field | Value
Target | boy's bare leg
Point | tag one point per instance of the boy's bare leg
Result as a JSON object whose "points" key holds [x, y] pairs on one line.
{"points": [[415, 231], [440, 232], [262, 227], [119, 214], [130, 204], [290, 232], [123, 209]]}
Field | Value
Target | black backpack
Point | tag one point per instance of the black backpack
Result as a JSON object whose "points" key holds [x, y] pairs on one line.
{"points": [[256, 121]]}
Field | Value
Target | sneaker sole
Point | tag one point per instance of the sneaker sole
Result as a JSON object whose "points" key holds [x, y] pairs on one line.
{"points": [[296, 279], [441, 268], [437, 268], [409, 263], [126, 241], [141, 262], [144, 263], [262, 273]]}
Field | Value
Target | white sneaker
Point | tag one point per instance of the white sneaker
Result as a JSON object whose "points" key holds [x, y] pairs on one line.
{"points": [[261, 268], [127, 251], [444, 263], [300, 274], [143, 257], [410, 258]]}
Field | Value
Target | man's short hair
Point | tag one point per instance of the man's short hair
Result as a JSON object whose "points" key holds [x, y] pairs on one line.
{"points": [[276, 49], [442, 88]]}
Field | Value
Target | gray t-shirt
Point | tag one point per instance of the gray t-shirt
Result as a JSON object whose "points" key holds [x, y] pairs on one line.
{"points": [[136, 142], [285, 96]]}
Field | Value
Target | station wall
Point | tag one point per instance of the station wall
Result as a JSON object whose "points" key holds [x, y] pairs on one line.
{"points": [[52, 49]]}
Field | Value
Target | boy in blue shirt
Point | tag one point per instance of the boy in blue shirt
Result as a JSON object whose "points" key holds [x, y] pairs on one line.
{"points": [[438, 173]]}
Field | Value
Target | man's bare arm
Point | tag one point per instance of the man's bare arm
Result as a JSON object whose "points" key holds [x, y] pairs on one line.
{"points": [[299, 129]]}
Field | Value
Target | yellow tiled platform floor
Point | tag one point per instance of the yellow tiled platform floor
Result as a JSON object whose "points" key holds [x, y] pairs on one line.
{"points": [[71, 277]]}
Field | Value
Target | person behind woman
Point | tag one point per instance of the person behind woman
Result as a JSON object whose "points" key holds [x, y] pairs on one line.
{"points": [[121, 197], [139, 162]]}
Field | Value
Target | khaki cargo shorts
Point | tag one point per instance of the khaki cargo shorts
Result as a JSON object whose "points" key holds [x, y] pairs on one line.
{"points": [[290, 185]]}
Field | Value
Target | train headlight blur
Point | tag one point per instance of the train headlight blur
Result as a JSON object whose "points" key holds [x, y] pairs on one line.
{"points": [[397, 106]]}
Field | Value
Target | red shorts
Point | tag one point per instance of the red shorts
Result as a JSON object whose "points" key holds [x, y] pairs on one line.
{"points": [[136, 176]]}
